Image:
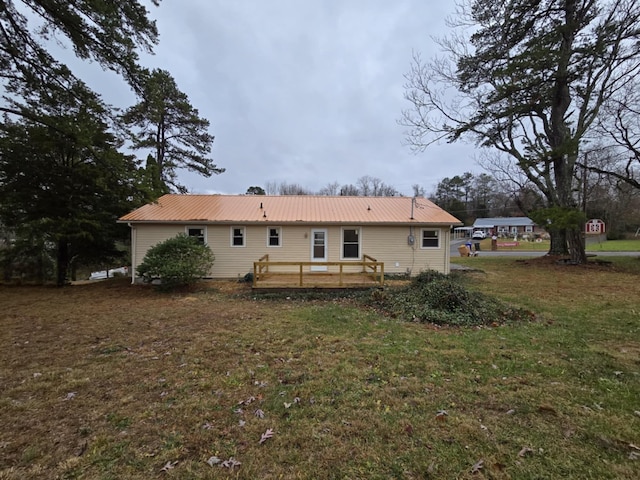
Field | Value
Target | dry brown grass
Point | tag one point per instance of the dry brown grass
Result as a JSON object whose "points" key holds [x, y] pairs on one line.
{"points": [[110, 380]]}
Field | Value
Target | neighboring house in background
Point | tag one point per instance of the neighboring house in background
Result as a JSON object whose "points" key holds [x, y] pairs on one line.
{"points": [[507, 226], [407, 234]]}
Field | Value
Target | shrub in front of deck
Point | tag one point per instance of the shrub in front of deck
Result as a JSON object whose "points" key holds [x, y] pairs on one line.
{"points": [[176, 262]]}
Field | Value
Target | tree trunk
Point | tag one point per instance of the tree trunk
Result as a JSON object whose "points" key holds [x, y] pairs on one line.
{"points": [[40, 267], [576, 247], [558, 242], [62, 262]]}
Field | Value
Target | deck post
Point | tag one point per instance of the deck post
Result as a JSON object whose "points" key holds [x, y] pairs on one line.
{"points": [[255, 274], [341, 274], [382, 274], [300, 274]]}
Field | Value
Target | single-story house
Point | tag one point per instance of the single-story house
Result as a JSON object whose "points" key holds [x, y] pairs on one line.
{"points": [[407, 234], [507, 226]]}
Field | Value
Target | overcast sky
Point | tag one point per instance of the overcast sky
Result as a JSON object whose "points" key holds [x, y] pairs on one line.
{"points": [[305, 92]]}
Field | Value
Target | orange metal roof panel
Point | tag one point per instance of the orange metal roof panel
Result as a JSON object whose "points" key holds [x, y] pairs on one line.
{"points": [[314, 209]]}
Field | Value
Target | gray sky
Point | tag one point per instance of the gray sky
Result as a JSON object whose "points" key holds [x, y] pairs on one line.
{"points": [[305, 92]]}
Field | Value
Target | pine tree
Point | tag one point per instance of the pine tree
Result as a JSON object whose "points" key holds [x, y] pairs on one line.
{"points": [[63, 182], [171, 128]]}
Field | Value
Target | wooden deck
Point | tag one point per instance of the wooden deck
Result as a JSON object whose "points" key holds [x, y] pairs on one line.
{"points": [[280, 275]]}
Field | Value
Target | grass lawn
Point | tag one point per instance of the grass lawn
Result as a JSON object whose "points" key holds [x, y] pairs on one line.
{"points": [[608, 246], [615, 246], [113, 381]]}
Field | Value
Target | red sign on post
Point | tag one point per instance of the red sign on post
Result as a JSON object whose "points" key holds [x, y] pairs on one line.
{"points": [[594, 226]]}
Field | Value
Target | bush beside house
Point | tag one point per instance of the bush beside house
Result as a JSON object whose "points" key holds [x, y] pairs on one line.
{"points": [[176, 262]]}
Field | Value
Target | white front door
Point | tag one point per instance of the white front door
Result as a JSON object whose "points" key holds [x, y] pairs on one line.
{"points": [[319, 249]]}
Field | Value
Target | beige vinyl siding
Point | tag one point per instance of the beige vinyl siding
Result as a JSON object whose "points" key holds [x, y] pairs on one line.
{"points": [[390, 245], [386, 244], [146, 236], [232, 262]]}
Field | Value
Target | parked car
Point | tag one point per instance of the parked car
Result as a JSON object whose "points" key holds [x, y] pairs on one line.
{"points": [[113, 272], [479, 235]]}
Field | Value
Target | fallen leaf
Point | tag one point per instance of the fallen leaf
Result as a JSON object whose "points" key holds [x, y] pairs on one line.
{"points": [[239, 411], [242, 423], [547, 409], [230, 464], [259, 413], [287, 405], [266, 435], [477, 466], [207, 426], [70, 396], [525, 451], [213, 461], [168, 466]]}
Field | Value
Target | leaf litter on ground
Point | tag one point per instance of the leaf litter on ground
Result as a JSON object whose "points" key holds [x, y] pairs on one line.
{"points": [[266, 435]]}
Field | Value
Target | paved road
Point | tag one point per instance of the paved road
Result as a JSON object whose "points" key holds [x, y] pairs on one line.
{"points": [[510, 253]]}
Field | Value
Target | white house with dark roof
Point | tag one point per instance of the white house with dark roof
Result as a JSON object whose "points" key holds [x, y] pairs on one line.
{"points": [[507, 226], [407, 234]]}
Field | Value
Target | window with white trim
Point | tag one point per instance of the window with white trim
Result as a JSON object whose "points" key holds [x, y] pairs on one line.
{"points": [[528, 229], [350, 243], [237, 236], [430, 238], [197, 232], [274, 237]]}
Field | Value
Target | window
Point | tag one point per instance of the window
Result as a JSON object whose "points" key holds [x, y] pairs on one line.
{"points": [[430, 239], [528, 229], [273, 238], [197, 232], [351, 243], [237, 236]]}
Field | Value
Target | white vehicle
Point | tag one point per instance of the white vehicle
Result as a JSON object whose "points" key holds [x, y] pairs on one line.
{"points": [[102, 275], [479, 235]]}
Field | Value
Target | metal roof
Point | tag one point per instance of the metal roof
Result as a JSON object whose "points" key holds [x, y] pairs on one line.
{"points": [[314, 209], [503, 222]]}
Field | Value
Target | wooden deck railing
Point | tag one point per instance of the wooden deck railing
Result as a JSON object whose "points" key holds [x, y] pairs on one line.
{"points": [[300, 274]]}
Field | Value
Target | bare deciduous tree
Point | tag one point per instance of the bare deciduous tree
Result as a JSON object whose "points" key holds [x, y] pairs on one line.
{"points": [[529, 81]]}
